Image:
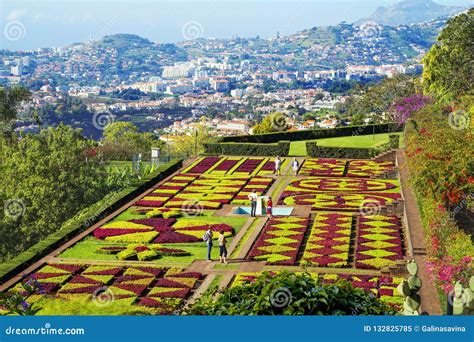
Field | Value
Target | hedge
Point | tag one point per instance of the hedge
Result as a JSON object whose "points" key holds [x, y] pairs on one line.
{"points": [[282, 148], [85, 219], [314, 134], [315, 151]]}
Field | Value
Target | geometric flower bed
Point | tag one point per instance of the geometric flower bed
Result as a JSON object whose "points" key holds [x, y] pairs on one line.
{"points": [[301, 186], [379, 242], [368, 168], [237, 166], [329, 241], [158, 230], [341, 201], [208, 192], [259, 184], [323, 167], [158, 197], [141, 252], [160, 288], [280, 241], [211, 192]]}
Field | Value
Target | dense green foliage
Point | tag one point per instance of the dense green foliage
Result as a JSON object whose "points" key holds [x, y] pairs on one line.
{"points": [[122, 140], [448, 66], [313, 134], [86, 218], [281, 148], [10, 101], [49, 178], [379, 98], [290, 294], [274, 122], [440, 145]]}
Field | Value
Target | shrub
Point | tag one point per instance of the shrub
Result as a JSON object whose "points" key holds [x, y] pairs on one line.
{"points": [[290, 294], [281, 148]]}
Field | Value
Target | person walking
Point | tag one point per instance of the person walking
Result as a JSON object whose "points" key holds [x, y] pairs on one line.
{"points": [[208, 239], [277, 166], [269, 207], [222, 247], [295, 165], [253, 203]]}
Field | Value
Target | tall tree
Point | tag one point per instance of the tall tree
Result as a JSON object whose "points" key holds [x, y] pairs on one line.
{"points": [[10, 101], [449, 65]]}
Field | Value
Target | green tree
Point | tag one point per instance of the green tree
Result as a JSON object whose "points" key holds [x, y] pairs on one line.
{"points": [[192, 143], [273, 122], [122, 140], [47, 176], [449, 64], [10, 101]]}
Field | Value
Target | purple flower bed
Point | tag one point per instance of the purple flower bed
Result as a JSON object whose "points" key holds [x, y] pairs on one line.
{"points": [[111, 271], [102, 233], [166, 282], [71, 268], [175, 237], [154, 204], [204, 165], [137, 289], [173, 294], [196, 275], [84, 280]]}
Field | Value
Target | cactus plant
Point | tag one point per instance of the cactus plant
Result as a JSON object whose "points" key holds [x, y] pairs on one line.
{"points": [[409, 288], [463, 298]]}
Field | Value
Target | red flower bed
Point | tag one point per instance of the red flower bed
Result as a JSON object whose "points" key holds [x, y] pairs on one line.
{"points": [[86, 289], [71, 268], [84, 280], [112, 271], [204, 165], [102, 233], [173, 294], [154, 204], [175, 237], [137, 289], [166, 282]]}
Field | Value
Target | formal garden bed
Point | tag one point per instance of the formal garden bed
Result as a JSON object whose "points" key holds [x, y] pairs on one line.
{"points": [[150, 245]]}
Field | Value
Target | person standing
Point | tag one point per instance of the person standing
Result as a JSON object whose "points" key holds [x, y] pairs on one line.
{"points": [[278, 166], [295, 165], [222, 247], [253, 203], [269, 207], [208, 239]]}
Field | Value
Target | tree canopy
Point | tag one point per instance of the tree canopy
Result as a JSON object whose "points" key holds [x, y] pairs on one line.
{"points": [[449, 64]]}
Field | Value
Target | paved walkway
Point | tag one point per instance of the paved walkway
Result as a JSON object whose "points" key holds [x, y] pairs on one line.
{"points": [[430, 300]]}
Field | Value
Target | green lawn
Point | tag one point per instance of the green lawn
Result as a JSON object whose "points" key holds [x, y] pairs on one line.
{"points": [[86, 249], [298, 148]]}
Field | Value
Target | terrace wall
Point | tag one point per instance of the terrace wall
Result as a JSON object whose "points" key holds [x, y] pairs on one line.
{"points": [[282, 148], [315, 151], [269, 138]]}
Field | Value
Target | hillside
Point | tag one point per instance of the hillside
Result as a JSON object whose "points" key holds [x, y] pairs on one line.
{"points": [[411, 12]]}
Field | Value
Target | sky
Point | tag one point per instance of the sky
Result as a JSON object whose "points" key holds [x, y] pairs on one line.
{"points": [[31, 24]]}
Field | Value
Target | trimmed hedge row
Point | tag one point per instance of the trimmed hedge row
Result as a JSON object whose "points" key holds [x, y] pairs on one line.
{"points": [[315, 151], [313, 134], [85, 219], [282, 148]]}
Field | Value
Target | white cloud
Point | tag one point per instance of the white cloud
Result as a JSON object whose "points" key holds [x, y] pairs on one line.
{"points": [[16, 14]]}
